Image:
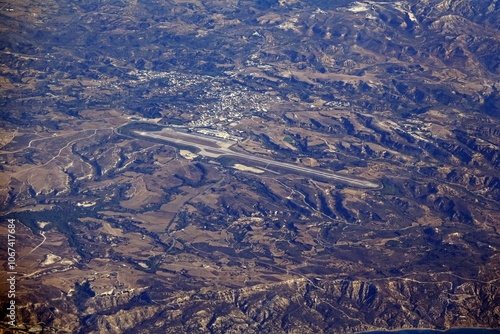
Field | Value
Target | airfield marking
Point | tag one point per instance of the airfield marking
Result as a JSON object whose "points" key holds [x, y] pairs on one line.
{"points": [[209, 150]]}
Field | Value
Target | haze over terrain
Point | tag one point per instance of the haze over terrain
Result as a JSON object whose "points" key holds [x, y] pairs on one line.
{"points": [[372, 201]]}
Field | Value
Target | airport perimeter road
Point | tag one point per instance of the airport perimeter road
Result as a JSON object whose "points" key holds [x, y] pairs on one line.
{"points": [[209, 150]]}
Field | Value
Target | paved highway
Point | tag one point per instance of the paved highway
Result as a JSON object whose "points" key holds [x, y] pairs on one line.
{"points": [[208, 150]]}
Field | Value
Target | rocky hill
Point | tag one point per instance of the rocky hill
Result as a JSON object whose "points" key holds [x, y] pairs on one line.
{"points": [[122, 234]]}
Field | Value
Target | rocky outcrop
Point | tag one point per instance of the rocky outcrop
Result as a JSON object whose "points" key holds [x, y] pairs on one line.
{"points": [[338, 306], [400, 93]]}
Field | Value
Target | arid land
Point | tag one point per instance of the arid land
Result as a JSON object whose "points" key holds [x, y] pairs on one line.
{"points": [[122, 233]]}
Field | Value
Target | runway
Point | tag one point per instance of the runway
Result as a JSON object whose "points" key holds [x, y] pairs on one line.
{"points": [[215, 147]]}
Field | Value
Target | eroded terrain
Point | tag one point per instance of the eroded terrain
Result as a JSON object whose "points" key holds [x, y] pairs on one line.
{"points": [[118, 234]]}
